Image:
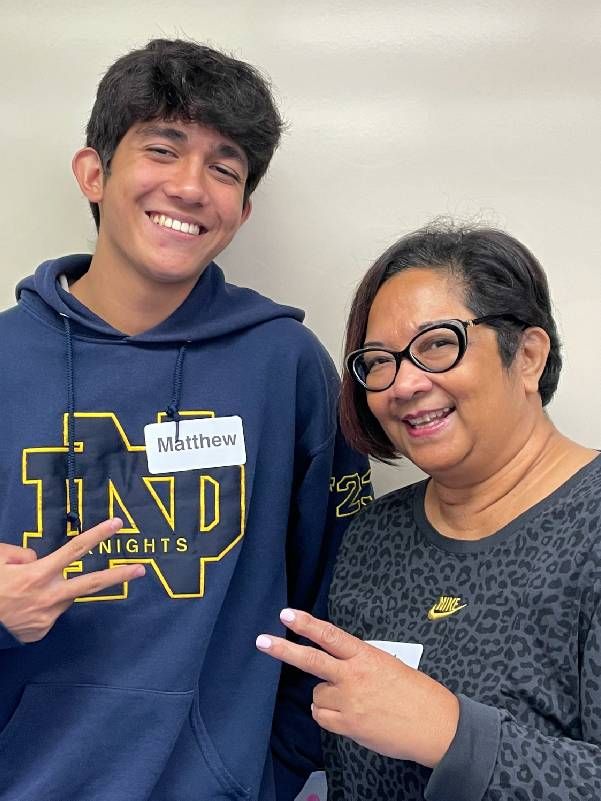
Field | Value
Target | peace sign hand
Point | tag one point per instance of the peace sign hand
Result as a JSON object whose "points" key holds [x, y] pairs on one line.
{"points": [[367, 694], [34, 592]]}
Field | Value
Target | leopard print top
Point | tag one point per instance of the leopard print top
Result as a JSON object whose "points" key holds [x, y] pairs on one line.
{"points": [[511, 623]]}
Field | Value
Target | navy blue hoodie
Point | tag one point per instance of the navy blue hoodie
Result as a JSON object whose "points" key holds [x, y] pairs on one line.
{"points": [[154, 691]]}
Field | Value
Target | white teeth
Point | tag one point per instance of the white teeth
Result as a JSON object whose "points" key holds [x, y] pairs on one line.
{"points": [[428, 417], [176, 225]]}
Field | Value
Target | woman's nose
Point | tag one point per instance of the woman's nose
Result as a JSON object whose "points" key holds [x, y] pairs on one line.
{"points": [[410, 380]]}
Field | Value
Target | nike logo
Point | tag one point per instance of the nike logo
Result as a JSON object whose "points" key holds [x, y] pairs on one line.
{"points": [[446, 606]]}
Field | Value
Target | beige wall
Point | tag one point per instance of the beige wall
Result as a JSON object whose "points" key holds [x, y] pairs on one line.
{"points": [[398, 111]]}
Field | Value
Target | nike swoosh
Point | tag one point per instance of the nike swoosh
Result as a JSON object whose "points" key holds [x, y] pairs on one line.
{"points": [[434, 615]]}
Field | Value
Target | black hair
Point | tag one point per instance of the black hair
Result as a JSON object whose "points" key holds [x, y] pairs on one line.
{"points": [[188, 82], [497, 274]]}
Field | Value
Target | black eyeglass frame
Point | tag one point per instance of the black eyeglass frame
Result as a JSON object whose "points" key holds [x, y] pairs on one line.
{"points": [[460, 327]]}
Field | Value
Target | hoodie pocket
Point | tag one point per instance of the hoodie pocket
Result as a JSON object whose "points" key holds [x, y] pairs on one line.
{"points": [[78, 742], [196, 771]]}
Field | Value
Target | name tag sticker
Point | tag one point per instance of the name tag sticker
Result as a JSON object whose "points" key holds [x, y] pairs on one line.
{"points": [[205, 442], [408, 652]]}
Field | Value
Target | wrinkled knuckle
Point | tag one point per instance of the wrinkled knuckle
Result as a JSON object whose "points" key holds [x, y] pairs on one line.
{"points": [[313, 658], [95, 583], [75, 549], [106, 578], [330, 635]]}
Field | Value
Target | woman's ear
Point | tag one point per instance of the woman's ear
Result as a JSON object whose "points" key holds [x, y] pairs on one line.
{"points": [[89, 174], [532, 355]]}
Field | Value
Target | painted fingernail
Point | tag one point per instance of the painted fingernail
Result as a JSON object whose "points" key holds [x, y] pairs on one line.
{"points": [[263, 642], [287, 616]]}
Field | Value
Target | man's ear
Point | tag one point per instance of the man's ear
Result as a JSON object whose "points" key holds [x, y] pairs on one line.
{"points": [[246, 210], [89, 174], [532, 354]]}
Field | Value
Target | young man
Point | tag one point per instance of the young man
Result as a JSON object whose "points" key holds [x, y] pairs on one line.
{"points": [[198, 421]]}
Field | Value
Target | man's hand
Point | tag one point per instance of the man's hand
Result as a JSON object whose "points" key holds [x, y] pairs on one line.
{"points": [[34, 592], [367, 694]]}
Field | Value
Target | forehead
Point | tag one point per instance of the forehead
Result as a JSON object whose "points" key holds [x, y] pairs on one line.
{"points": [[413, 298]]}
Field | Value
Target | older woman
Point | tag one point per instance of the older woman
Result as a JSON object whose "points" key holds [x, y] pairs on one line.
{"points": [[486, 576]]}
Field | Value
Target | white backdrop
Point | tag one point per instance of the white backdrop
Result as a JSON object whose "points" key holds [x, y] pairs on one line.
{"points": [[398, 112]]}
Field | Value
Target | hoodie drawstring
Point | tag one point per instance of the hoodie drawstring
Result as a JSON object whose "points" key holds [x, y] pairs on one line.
{"points": [[72, 516], [172, 411]]}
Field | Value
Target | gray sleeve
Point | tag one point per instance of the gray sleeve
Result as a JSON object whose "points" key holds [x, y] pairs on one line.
{"points": [[493, 757], [464, 772]]}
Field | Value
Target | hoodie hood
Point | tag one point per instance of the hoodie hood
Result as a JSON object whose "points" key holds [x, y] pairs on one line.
{"points": [[213, 308]]}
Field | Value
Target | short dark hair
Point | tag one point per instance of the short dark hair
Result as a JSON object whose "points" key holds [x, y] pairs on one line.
{"points": [[497, 274], [189, 82]]}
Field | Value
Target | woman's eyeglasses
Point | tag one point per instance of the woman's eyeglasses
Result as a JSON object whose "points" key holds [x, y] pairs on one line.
{"points": [[436, 349]]}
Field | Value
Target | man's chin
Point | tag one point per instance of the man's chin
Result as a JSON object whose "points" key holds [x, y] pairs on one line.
{"points": [[175, 276]]}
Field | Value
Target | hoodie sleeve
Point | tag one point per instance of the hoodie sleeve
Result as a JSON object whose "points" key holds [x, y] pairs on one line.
{"points": [[7, 640], [493, 757], [333, 484]]}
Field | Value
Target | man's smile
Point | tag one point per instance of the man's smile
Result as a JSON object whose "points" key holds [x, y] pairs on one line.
{"points": [[183, 226]]}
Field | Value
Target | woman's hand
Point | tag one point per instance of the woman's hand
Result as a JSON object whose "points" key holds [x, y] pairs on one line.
{"points": [[367, 694]]}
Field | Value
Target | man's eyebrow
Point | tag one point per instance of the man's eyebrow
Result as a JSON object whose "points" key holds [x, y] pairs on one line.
{"points": [[224, 150], [164, 131]]}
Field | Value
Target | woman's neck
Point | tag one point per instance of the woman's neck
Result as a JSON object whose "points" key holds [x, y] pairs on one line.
{"points": [[545, 461]]}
